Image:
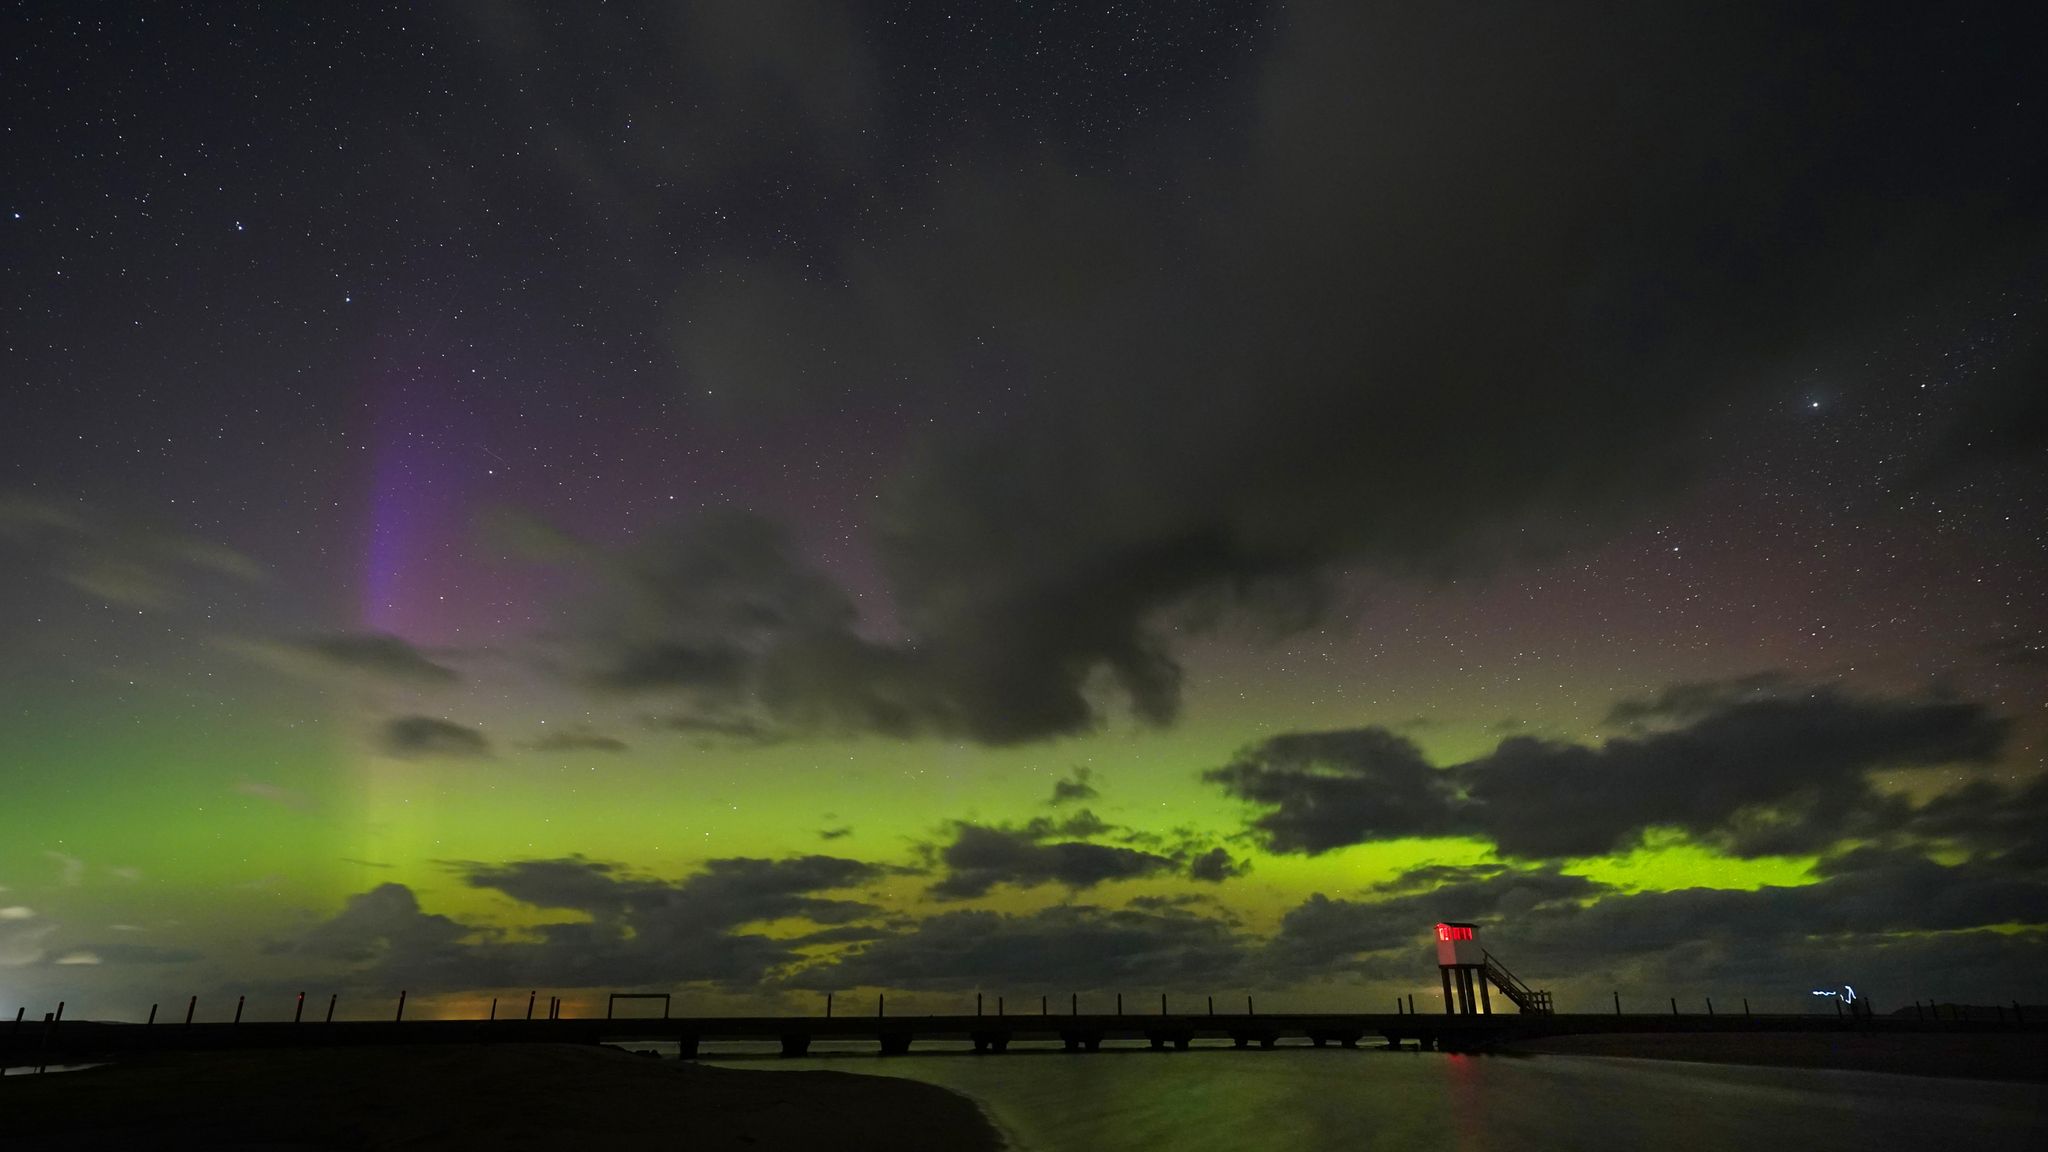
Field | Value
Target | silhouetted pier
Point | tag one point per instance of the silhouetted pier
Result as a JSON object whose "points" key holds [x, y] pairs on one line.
{"points": [[67, 1041]]}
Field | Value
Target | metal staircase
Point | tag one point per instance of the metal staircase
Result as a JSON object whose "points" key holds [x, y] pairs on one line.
{"points": [[1531, 1000]]}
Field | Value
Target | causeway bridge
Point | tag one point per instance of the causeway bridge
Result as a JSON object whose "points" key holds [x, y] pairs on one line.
{"points": [[71, 1041]]}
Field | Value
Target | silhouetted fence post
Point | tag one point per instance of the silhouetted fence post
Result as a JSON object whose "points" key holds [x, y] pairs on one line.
{"points": [[1411, 1003], [494, 1009], [828, 1005], [1674, 1005], [152, 1016], [529, 1004], [401, 1007], [1617, 1003], [1119, 1003], [881, 1004], [1212, 1005], [330, 1006], [190, 1005], [1745, 1006], [999, 1005], [238, 1008], [17, 1021], [1042, 1009], [977, 1003], [1162, 1003], [1074, 1009], [1248, 1007], [300, 1010], [1710, 1005]]}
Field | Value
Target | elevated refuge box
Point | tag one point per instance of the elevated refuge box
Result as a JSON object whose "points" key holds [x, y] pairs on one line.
{"points": [[1457, 946]]}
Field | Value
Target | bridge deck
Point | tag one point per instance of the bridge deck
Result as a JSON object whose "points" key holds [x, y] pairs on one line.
{"points": [[34, 1042]]}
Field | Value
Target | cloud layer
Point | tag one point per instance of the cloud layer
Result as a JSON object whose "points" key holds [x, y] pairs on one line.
{"points": [[1755, 775]]}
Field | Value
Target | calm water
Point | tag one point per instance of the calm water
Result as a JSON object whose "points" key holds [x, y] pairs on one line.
{"points": [[1220, 1100]]}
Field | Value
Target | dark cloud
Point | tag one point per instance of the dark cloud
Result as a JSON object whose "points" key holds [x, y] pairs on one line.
{"points": [[1080, 825], [379, 655], [1069, 948], [726, 894], [386, 925], [981, 858], [1754, 774], [1330, 789], [637, 928], [1215, 866], [711, 730], [1456, 290], [1078, 786], [578, 740], [421, 737]]}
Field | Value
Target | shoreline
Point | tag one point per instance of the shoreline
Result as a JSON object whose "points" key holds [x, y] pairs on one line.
{"points": [[2013, 1058], [481, 1096]]}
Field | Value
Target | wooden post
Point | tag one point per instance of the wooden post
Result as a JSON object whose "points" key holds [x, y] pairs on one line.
{"points": [[401, 1007], [330, 1006], [1710, 1005], [880, 1005], [1119, 1003], [1617, 1003], [189, 1006], [1248, 1007], [1162, 1003], [1411, 1003], [1074, 1009], [17, 1019], [1450, 1005], [1674, 1005], [300, 1010], [1212, 1005], [977, 1003], [529, 1004], [999, 1005], [238, 1008], [828, 1007], [1745, 1005], [494, 1008], [1042, 1009]]}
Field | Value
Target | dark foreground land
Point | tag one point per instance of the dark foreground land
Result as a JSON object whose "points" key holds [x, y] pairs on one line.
{"points": [[1985, 1056], [475, 1096]]}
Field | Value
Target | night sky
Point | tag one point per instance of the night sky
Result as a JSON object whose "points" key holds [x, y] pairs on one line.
{"points": [[768, 497]]}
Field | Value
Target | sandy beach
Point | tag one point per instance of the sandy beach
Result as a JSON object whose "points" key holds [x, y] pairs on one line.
{"points": [[2009, 1056], [511, 1096]]}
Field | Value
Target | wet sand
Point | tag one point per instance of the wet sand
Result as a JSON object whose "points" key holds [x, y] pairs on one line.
{"points": [[510, 1096], [1996, 1056]]}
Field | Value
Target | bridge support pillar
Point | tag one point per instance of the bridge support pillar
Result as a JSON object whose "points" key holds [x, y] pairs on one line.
{"points": [[686, 1047], [796, 1043], [895, 1043]]}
